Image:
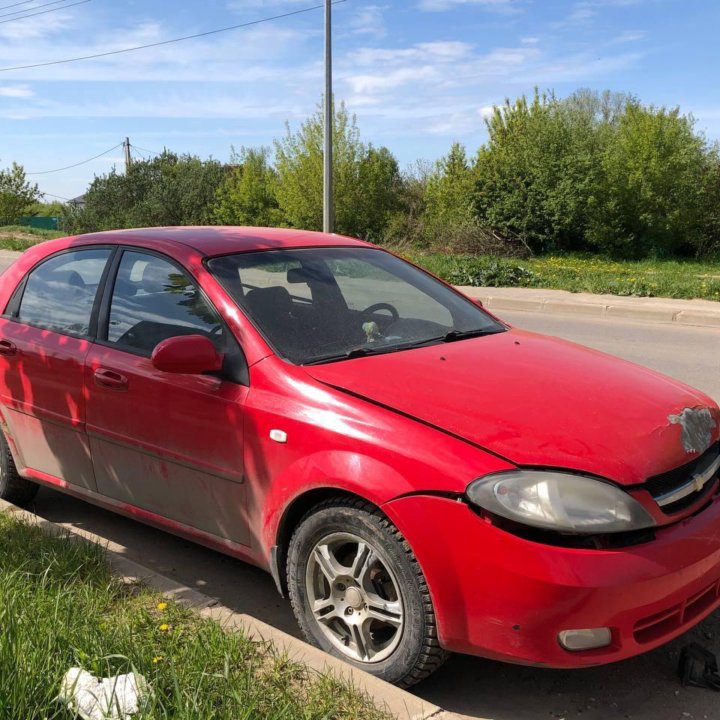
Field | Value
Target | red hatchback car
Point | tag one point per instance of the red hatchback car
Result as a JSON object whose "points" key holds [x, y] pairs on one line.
{"points": [[417, 476]]}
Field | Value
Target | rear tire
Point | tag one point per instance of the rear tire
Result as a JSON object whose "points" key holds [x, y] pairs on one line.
{"points": [[358, 592], [13, 487]]}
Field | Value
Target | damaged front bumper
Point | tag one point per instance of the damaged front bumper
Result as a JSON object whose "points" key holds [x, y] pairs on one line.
{"points": [[504, 597]]}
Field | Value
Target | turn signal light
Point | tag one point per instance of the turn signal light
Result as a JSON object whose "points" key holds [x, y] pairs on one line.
{"points": [[588, 639]]}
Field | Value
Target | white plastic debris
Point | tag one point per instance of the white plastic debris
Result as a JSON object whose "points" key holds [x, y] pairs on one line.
{"points": [[114, 698]]}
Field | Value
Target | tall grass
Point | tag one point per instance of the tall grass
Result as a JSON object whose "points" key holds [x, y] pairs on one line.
{"points": [[646, 278], [60, 607], [19, 237]]}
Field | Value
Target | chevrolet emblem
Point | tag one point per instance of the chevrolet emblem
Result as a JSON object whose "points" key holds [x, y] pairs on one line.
{"points": [[698, 482]]}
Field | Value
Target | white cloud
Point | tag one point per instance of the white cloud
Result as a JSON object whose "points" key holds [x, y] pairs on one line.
{"points": [[35, 27], [242, 5], [586, 10], [368, 20], [447, 51], [429, 52], [582, 12], [440, 5], [580, 67], [432, 89], [264, 52], [362, 84], [629, 36], [15, 91]]}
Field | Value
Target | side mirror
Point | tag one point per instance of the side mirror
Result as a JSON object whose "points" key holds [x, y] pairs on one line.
{"points": [[190, 354]]}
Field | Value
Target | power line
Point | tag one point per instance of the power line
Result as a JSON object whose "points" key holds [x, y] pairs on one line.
{"points": [[43, 12], [136, 152], [46, 172], [59, 197], [37, 7], [24, 2], [165, 42], [152, 152]]}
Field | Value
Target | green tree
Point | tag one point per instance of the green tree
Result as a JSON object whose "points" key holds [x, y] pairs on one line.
{"points": [[450, 189], [707, 242], [532, 181], [540, 169], [650, 194], [167, 190], [367, 179], [16, 194], [407, 223], [46, 209], [248, 193], [450, 222]]}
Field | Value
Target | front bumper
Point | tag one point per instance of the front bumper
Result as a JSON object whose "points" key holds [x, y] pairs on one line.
{"points": [[506, 598]]}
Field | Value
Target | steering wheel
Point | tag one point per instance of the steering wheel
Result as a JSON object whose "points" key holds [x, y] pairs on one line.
{"points": [[382, 306]]}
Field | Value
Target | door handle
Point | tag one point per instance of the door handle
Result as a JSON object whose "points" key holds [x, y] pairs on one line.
{"points": [[7, 348], [110, 379]]}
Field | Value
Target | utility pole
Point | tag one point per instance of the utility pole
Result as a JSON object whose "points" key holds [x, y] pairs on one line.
{"points": [[328, 205], [126, 148]]}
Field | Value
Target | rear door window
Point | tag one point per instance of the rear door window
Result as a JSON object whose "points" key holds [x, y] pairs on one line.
{"points": [[60, 293]]}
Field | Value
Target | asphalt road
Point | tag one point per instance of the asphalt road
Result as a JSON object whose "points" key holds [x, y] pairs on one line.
{"points": [[644, 688]]}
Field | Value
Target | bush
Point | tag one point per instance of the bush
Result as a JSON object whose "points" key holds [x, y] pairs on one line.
{"points": [[485, 272], [167, 190]]}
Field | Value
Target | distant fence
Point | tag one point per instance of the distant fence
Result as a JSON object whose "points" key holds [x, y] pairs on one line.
{"points": [[40, 222]]}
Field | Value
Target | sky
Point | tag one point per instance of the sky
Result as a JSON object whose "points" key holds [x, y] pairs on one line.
{"points": [[418, 74]]}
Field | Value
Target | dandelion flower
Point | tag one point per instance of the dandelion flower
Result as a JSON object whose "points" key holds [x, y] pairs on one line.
{"points": [[162, 606], [164, 627]]}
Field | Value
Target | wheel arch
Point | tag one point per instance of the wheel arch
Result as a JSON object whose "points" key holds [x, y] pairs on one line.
{"points": [[290, 519]]}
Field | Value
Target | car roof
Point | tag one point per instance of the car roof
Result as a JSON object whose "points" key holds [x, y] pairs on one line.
{"points": [[221, 240]]}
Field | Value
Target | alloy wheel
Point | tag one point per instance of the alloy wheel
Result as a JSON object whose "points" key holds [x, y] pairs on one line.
{"points": [[354, 597]]}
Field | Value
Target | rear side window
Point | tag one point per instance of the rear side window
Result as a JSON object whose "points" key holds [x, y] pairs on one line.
{"points": [[59, 294], [153, 300]]}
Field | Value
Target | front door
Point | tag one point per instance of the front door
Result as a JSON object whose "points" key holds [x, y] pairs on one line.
{"points": [[168, 443], [44, 340]]}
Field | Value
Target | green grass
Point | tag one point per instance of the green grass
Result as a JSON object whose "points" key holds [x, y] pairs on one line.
{"points": [[61, 607], [19, 237], [647, 278]]}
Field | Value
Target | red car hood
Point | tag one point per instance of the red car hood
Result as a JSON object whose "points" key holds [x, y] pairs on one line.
{"points": [[534, 400]]}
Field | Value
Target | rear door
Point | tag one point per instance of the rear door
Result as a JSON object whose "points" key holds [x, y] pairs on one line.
{"points": [[167, 443], [44, 340]]}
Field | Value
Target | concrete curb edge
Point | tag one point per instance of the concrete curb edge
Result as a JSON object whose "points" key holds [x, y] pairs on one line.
{"points": [[399, 703], [621, 307]]}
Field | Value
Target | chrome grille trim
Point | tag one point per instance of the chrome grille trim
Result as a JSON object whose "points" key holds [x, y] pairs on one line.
{"points": [[696, 483]]}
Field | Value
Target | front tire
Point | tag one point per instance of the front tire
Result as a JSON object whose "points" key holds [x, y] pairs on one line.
{"points": [[358, 592], [13, 487]]}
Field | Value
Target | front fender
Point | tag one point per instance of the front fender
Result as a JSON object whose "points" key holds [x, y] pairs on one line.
{"points": [[302, 436], [341, 470]]}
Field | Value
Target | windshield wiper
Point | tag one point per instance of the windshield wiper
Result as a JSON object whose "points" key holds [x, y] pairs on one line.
{"points": [[349, 355], [450, 336], [453, 335]]}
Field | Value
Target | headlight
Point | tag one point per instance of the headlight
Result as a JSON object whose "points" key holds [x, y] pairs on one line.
{"points": [[559, 501]]}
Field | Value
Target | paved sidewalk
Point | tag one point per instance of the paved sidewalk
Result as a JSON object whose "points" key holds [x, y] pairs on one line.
{"points": [[704, 313]]}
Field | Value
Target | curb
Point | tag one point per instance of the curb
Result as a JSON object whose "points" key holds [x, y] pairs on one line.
{"points": [[400, 703], [656, 310]]}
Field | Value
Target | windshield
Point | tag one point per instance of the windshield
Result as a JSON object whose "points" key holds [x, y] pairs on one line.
{"points": [[318, 305]]}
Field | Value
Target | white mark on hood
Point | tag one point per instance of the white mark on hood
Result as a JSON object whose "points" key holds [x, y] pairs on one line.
{"points": [[697, 427]]}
